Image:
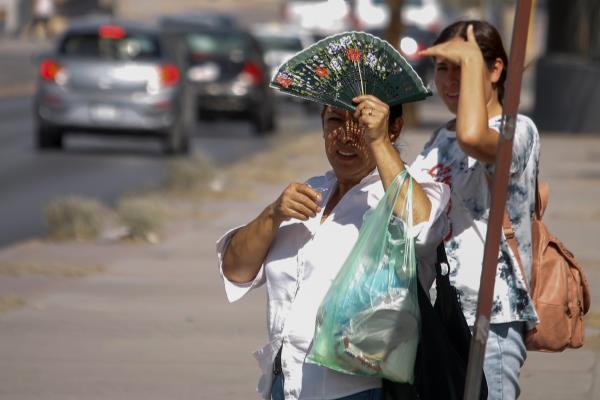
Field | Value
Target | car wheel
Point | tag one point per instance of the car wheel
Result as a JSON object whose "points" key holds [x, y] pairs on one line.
{"points": [[176, 141], [49, 138], [264, 122]]}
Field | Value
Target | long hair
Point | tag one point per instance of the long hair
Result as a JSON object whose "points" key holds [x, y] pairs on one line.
{"points": [[489, 42]]}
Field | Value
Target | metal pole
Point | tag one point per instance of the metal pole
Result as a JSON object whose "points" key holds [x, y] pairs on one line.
{"points": [[498, 203]]}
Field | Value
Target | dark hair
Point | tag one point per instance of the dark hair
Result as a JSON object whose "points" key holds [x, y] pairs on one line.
{"points": [[489, 42], [395, 112]]}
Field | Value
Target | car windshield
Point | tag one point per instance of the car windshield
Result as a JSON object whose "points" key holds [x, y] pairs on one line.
{"points": [[279, 43], [212, 44], [129, 47]]}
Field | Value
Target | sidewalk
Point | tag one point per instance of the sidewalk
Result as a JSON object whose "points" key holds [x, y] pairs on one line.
{"points": [[151, 321], [18, 66]]}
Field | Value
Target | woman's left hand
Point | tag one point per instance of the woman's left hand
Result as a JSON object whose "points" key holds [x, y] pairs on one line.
{"points": [[373, 115]]}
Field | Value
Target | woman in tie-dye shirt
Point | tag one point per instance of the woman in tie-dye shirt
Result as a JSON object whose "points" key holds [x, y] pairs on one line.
{"points": [[470, 70]]}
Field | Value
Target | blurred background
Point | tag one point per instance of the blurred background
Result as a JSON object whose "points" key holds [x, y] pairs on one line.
{"points": [[96, 96]]}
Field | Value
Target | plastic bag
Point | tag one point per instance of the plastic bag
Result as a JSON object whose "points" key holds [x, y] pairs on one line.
{"points": [[369, 321]]}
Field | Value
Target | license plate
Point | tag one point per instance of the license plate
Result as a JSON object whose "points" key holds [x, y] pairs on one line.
{"points": [[103, 113]]}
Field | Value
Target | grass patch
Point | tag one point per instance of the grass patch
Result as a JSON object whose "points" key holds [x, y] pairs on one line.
{"points": [[188, 183], [185, 175], [10, 303], [142, 216], [48, 269], [74, 218]]}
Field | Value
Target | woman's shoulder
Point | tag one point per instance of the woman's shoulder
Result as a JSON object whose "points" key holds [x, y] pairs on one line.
{"points": [[442, 131], [523, 123]]}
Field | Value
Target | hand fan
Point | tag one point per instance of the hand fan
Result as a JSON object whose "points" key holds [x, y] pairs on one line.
{"points": [[338, 68]]}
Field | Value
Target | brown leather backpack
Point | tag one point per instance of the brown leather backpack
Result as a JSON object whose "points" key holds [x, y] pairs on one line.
{"points": [[559, 289]]}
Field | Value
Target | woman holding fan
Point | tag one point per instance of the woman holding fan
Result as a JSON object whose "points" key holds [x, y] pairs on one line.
{"points": [[470, 70], [299, 242]]}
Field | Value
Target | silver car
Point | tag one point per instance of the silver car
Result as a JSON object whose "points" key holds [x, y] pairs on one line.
{"points": [[109, 77]]}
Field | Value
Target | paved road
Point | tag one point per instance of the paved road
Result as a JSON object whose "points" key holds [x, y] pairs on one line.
{"points": [[104, 168]]}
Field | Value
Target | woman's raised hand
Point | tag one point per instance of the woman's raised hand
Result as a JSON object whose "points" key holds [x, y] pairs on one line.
{"points": [[373, 115], [457, 50], [298, 201]]}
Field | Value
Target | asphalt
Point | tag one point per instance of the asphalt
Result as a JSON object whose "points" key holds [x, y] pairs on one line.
{"points": [[154, 322]]}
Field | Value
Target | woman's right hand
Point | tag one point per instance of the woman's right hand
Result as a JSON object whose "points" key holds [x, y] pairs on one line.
{"points": [[457, 50], [298, 201]]}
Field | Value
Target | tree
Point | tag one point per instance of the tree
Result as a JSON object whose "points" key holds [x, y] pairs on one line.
{"points": [[394, 28], [392, 34]]}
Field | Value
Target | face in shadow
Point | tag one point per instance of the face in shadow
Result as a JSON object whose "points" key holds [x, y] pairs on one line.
{"points": [[345, 145]]}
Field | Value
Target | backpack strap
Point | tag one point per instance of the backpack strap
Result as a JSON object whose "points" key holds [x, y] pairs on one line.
{"points": [[509, 234], [507, 229]]}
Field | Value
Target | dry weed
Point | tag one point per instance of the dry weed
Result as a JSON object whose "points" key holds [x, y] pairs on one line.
{"points": [[142, 216], [74, 218], [185, 175], [10, 303]]}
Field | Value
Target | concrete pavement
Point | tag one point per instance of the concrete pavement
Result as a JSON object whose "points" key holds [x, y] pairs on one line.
{"points": [[151, 321]]}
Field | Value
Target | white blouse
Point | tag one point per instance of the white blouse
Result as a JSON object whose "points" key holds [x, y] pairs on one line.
{"points": [[302, 262]]}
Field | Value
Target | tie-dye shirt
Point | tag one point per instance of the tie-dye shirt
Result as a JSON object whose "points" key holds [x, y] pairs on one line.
{"points": [[468, 214]]}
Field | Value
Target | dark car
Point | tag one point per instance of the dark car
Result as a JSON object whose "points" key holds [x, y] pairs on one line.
{"points": [[109, 77], [224, 71]]}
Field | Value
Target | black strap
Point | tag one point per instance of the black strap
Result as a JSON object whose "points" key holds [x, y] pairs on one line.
{"points": [[277, 363], [442, 259]]}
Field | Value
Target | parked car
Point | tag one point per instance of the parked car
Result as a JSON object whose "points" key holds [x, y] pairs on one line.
{"points": [[318, 17], [413, 40], [224, 70], [279, 43], [374, 14], [109, 76]]}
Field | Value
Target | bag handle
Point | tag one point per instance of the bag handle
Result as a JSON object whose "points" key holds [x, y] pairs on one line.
{"points": [[442, 258]]}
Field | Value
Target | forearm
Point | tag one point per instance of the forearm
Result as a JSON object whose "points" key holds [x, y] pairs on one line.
{"points": [[249, 247], [390, 164], [472, 131], [471, 118]]}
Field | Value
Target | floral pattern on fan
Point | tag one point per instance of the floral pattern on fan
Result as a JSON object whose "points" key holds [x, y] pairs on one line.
{"points": [[338, 68]]}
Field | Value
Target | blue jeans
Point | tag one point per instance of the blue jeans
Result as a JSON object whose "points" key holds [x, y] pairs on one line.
{"points": [[505, 354], [277, 392]]}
